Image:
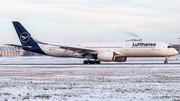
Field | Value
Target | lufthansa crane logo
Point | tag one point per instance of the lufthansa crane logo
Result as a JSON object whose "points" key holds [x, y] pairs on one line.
{"points": [[24, 37]]}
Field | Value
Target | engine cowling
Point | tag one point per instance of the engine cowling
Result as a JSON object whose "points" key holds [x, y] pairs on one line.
{"points": [[120, 59], [106, 56]]}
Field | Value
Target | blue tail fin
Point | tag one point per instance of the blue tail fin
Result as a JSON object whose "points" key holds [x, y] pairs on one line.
{"points": [[24, 36], [26, 39]]}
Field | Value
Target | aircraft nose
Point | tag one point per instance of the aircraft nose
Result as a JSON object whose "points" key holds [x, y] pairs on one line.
{"points": [[175, 52]]}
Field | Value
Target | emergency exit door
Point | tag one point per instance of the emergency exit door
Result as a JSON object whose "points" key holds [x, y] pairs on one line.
{"points": [[127, 47], [159, 47]]}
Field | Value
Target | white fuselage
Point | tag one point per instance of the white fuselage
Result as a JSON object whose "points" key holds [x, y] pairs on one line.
{"points": [[109, 51], [124, 49]]}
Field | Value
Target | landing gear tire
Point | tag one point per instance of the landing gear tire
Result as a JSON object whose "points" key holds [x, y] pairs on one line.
{"points": [[98, 62], [91, 62], [165, 62], [85, 62]]}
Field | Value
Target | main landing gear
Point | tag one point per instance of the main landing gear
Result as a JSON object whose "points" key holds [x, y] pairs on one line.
{"points": [[166, 61], [91, 62]]}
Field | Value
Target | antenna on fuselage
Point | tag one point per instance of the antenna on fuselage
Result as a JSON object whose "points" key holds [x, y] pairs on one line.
{"points": [[133, 40]]}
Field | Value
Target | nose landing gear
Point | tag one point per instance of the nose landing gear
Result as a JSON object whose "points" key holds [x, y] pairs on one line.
{"points": [[166, 61]]}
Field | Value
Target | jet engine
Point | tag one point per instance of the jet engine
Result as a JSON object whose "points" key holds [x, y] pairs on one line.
{"points": [[120, 59], [106, 56]]}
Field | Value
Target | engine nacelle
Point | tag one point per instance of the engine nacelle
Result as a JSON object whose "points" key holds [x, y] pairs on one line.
{"points": [[120, 59], [106, 56]]}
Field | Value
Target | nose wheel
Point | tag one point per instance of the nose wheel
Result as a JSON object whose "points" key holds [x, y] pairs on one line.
{"points": [[91, 62], [166, 61]]}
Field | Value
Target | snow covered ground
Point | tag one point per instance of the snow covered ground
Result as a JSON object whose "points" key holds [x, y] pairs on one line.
{"points": [[88, 82]]}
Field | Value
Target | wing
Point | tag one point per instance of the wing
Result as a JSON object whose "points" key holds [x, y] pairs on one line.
{"points": [[79, 50]]}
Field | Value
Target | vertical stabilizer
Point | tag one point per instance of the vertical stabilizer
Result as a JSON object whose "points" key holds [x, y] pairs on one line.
{"points": [[26, 39], [24, 36]]}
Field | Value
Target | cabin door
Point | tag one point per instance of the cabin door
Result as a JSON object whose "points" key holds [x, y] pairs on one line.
{"points": [[159, 47], [127, 47]]}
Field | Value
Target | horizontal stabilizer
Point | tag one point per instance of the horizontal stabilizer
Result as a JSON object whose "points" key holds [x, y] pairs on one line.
{"points": [[19, 46]]}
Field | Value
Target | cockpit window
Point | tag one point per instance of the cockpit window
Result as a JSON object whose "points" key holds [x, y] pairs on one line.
{"points": [[170, 47]]}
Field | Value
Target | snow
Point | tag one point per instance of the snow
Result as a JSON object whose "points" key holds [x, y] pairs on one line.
{"points": [[88, 82]]}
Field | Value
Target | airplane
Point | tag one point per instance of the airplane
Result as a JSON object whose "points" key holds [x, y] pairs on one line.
{"points": [[94, 52]]}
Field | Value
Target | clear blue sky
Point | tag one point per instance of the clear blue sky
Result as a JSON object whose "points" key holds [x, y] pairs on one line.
{"points": [[91, 20]]}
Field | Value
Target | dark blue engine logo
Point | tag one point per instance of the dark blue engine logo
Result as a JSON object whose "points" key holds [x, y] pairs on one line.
{"points": [[24, 37]]}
